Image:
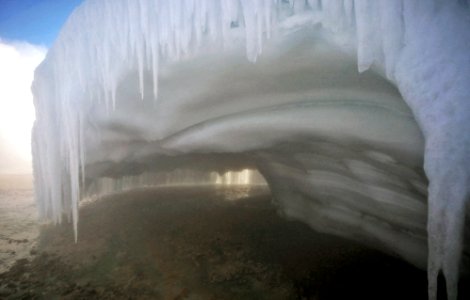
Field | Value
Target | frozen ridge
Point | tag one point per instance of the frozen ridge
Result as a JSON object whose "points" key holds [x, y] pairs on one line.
{"points": [[340, 150]]}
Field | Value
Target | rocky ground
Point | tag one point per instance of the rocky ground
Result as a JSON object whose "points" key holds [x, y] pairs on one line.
{"points": [[201, 243]]}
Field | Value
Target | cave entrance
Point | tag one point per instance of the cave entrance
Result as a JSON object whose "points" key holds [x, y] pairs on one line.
{"points": [[180, 177]]}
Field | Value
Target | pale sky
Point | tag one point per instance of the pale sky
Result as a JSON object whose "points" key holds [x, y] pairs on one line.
{"points": [[17, 64], [27, 29]]}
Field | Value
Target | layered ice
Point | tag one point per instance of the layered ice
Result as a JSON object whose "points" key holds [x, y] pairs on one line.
{"points": [[339, 104]]}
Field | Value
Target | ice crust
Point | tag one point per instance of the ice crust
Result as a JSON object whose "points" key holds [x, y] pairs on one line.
{"points": [[139, 86]]}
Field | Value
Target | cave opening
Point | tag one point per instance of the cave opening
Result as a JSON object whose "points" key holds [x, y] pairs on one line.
{"points": [[179, 177], [340, 149]]}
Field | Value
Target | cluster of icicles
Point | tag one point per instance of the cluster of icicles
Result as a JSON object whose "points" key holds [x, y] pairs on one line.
{"points": [[420, 46]]}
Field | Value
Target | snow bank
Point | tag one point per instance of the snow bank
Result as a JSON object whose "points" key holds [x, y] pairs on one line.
{"points": [[339, 149]]}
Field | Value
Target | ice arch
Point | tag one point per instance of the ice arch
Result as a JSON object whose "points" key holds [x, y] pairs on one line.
{"points": [[340, 149]]}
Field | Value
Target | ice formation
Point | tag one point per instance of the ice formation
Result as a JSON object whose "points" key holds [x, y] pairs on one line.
{"points": [[141, 86]]}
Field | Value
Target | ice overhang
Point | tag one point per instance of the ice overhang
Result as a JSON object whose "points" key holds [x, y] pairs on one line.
{"points": [[336, 146]]}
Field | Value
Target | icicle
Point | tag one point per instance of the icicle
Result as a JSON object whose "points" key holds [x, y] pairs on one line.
{"points": [[250, 12], [348, 7], [366, 40], [155, 59], [267, 17], [82, 148], [113, 87], [259, 29], [140, 54], [392, 38]]}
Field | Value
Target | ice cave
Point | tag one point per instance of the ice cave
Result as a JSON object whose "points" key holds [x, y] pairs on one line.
{"points": [[355, 112]]}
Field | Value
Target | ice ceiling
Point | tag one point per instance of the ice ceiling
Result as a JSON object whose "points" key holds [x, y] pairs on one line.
{"points": [[339, 104]]}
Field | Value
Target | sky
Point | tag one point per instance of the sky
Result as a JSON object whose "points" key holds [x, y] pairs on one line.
{"points": [[27, 29], [35, 21]]}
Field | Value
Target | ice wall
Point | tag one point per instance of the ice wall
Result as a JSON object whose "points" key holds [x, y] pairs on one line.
{"points": [[339, 149]]}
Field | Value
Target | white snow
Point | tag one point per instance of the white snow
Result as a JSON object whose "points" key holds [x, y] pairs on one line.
{"points": [[272, 85]]}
